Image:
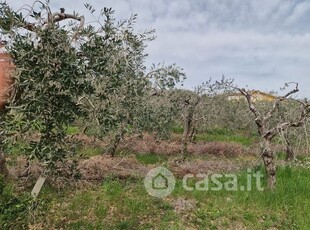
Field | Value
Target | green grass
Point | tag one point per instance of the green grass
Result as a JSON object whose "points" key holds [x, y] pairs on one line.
{"points": [[177, 129], [89, 151], [150, 158], [281, 155], [115, 204], [284, 208], [124, 204], [72, 130], [15, 150], [226, 136], [13, 206]]}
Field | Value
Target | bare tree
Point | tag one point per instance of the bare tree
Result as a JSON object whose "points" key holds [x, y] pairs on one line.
{"points": [[190, 108], [292, 138], [268, 131]]}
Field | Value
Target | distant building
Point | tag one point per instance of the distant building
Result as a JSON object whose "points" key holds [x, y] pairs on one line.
{"points": [[256, 95]]}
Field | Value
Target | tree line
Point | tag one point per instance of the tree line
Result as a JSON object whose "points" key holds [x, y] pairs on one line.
{"points": [[95, 74]]}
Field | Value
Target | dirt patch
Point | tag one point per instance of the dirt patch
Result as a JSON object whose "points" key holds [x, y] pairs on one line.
{"points": [[86, 140], [182, 205], [148, 144], [207, 167], [217, 149], [224, 158], [99, 167], [94, 169]]}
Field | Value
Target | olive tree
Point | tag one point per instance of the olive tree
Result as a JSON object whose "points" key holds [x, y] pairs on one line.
{"points": [[49, 77], [293, 138], [194, 105], [269, 126], [123, 87]]}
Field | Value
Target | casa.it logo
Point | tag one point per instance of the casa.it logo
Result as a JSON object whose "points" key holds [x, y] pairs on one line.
{"points": [[159, 182]]}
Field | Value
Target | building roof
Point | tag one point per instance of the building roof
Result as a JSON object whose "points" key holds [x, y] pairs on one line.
{"points": [[256, 93]]}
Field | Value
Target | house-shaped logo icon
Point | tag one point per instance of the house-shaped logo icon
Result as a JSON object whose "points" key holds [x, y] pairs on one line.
{"points": [[160, 182]]}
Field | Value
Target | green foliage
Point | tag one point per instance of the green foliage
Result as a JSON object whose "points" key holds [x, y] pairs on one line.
{"points": [[98, 75], [115, 56], [13, 208], [49, 78], [9, 18], [63, 74], [125, 99]]}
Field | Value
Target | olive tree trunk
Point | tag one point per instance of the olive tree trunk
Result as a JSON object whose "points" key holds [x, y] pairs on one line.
{"points": [[115, 142], [188, 127], [189, 110], [290, 154], [268, 158]]}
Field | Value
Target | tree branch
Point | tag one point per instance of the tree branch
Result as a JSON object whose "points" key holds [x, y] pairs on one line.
{"points": [[279, 99], [57, 17]]}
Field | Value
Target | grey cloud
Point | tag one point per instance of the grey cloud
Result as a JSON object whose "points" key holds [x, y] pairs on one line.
{"points": [[299, 11]]}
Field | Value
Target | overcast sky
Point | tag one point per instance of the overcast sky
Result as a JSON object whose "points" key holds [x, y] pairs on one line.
{"points": [[259, 43]]}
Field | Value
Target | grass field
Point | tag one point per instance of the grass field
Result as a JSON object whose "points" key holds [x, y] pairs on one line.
{"points": [[123, 203], [119, 204]]}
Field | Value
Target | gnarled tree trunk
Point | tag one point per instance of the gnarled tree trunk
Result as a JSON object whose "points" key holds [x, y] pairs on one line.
{"points": [[115, 142], [192, 134], [290, 154], [188, 124], [268, 158], [268, 132]]}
